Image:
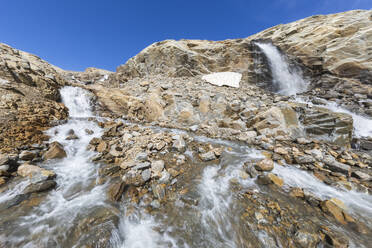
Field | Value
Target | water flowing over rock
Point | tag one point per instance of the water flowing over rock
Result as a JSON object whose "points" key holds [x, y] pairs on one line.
{"points": [[161, 153]]}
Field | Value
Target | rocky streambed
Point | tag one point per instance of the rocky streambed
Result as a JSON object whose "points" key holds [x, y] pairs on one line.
{"points": [[168, 152]]}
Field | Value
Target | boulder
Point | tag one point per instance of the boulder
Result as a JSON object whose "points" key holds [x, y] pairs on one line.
{"points": [[55, 151], [264, 165], [35, 173]]}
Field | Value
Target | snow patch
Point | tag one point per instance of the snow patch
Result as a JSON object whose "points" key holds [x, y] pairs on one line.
{"points": [[231, 79]]}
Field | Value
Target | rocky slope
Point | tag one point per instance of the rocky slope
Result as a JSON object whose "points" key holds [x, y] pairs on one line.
{"points": [[176, 145], [29, 93]]}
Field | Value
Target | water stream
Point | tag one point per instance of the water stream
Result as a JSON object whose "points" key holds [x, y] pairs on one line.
{"points": [[288, 81]]}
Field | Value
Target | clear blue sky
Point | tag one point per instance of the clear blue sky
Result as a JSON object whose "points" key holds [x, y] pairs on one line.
{"points": [[75, 34]]}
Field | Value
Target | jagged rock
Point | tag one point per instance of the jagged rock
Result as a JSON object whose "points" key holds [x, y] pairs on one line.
{"points": [[55, 151]]}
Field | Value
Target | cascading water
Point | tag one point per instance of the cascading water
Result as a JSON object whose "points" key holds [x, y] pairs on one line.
{"points": [[288, 81], [75, 195]]}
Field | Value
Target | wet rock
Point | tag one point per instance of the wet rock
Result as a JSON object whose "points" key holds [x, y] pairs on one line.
{"points": [[40, 186], [252, 172], [116, 191], [311, 198], [35, 173], [8, 162], [305, 239], [336, 166], [264, 165], [208, 156], [89, 131], [72, 137], [270, 179], [335, 240], [334, 207], [297, 192], [275, 179], [27, 155], [55, 151]]}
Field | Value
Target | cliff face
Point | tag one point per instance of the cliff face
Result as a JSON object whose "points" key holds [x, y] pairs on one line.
{"points": [[339, 43]]}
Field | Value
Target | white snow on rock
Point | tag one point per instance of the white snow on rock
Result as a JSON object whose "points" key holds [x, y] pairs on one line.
{"points": [[231, 79]]}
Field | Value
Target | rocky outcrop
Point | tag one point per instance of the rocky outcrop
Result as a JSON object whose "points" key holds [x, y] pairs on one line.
{"points": [[29, 98]]}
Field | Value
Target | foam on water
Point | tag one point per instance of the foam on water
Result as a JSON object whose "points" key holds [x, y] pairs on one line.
{"points": [[288, 80], [358, 203], [362, 125]]}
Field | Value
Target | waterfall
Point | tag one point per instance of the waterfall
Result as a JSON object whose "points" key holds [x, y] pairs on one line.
{"points": [[288, 81]]}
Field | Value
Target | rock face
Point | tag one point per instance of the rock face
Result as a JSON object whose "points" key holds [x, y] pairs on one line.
{"points": [[29, 98]]}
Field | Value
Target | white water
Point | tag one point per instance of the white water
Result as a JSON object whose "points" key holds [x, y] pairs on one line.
{"points": [[362, 125], [74, 194], [289, 81], [359, 204]]}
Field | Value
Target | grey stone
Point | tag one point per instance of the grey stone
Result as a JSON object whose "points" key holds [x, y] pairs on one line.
{"points": [[208, 156], [142, 166], [146, 175], [142, 156], [304, 159], [336, 166]]}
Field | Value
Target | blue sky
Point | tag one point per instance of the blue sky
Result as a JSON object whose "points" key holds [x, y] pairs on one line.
{"points": [[75, 34]]}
